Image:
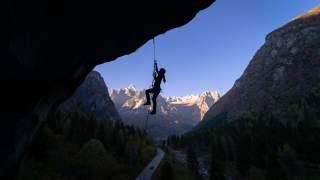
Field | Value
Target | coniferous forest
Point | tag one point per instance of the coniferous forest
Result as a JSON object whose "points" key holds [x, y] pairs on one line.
{"points": [[79, 147], [262, 144]]}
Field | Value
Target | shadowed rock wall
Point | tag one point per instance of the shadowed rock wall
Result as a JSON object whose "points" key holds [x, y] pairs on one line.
{"points": [[48, 47]]}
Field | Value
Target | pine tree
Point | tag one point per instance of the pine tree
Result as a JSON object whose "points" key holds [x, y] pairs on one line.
{"points": [[94, 162], [102, 134], [192, 161], [243, 154], [167, 171], [216, 166], [274, 168]]}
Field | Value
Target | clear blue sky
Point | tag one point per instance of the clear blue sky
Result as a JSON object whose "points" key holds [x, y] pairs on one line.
{"points": [[211, 51]]}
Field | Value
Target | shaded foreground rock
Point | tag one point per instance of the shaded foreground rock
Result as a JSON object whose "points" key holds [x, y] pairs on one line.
{"points": [[48, 47]]}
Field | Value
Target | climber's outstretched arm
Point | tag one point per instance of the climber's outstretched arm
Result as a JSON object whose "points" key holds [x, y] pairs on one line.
{"points": [[164, 79]]}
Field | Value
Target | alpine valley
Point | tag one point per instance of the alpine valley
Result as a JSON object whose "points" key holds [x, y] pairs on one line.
{"points": [[175, 115]]}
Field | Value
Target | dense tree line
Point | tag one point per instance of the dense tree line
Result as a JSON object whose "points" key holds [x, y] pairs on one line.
{"points": [[192, 161], [263, 144], [77, 147]]}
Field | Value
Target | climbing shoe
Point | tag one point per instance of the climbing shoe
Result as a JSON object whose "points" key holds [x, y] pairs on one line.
{"points": [[147, 103]]}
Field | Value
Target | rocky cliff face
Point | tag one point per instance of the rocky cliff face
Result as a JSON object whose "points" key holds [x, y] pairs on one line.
{"points": [[48, 47], [285, 68], [175, 115], [92, 98]]}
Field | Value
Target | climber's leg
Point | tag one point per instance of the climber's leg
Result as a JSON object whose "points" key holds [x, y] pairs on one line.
{"points": [[154, 101], [148, 91]]}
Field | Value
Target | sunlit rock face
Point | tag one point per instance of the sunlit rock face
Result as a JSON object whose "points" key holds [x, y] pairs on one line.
{"points": [[283, 70], [175, 115], [48, 47]]}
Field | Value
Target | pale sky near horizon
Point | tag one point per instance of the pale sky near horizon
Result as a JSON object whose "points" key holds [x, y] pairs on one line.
{"points": [[210, 52]]}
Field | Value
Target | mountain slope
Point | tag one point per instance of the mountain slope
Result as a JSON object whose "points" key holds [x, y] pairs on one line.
{"points": [[285, 68], [175, 115], [267, 125], [92, 98]]}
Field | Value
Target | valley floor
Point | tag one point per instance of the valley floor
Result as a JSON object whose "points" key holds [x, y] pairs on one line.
{"points": [[172, 169], [203, 163]]}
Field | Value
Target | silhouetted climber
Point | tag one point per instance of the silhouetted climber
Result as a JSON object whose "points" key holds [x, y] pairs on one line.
{"points": [[158, 76]]}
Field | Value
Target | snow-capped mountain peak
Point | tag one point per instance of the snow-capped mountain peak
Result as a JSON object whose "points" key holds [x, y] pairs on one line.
{"points": [[130, 91], [186, 111], [131, 87]]}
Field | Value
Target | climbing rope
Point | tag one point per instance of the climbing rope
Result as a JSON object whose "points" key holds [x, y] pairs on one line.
{"points": [[146, 123], [154, 50], [153, 77], [154, 62]]}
